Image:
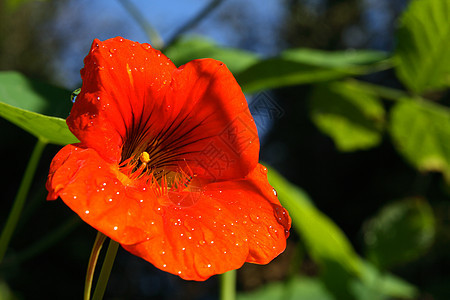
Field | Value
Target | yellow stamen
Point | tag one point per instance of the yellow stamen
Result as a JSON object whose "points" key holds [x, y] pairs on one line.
{"points": [[144, 158]]}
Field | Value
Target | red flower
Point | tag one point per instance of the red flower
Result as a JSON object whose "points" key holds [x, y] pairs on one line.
{"points": [[167, 163]]}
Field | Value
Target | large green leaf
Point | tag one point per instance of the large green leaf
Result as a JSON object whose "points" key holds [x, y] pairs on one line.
{"points": [[344, 273], [423, 45], [421, 133], [324, 240], [49, 129], [24, 102], [399, 233], [33, 95], [302, 66], [352, 116], [186, 50]]}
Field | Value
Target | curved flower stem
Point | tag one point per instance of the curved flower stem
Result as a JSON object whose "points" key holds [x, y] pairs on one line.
{"points": [[228, 285], [152, 34], [21, 196], [106, 270], [99, 240]]}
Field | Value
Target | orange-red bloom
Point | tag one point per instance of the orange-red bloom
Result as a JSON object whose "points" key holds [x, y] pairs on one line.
{"points": [[167, 163]]}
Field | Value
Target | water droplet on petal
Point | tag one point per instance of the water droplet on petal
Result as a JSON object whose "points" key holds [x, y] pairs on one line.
{"points": [[263, 169], [86, 212], [116, 227], [275, 192]]}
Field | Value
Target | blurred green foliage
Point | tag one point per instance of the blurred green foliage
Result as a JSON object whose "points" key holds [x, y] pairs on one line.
{"points": [[356, 115]]}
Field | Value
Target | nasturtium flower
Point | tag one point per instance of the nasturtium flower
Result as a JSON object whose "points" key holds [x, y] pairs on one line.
{"points": [[167, 163]]}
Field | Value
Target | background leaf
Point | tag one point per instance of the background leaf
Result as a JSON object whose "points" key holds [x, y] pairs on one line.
{"points": [[301, 66], [348, 58], [399, 233], [373, 285], [352, 116], [296, 288], [323, 239], [24, 102], [423, 44], [188, 49], [49, 129], [33, 95], [421, 131]]}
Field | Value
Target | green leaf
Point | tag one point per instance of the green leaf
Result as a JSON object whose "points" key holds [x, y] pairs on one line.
{"points": [[24, 101], [399, 233], [351, 115], [186, 50], [296, 288], [323, 238], [346, 59], [303, 66], [32, 95], [49, 129], [374, 285], [423, 42], [420, 132], [280, 72], [344, 273]]}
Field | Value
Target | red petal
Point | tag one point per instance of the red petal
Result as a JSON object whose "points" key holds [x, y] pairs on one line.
{"points": [[215, 129], [233, 222], [121, 81], [197, 112], [90, 187]]}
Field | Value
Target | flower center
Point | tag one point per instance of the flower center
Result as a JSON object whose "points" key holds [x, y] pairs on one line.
{"points": [[172, 182]]}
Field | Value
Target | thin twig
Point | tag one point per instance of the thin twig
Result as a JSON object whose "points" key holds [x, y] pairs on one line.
{"points": [[155, 38], [194, 21]]}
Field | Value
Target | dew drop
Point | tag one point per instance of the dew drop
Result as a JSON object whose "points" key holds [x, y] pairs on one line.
{"points": [[117, 192], [116, 227], [179, 272], [275, 192], [164, 265], [86, 212], [209, 265], [263, 169]]}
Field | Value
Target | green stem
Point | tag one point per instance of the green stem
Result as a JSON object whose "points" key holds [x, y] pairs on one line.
{"points": [[21, 196], [228, 285], [152, 34], [99, 240], [106, 270]]}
